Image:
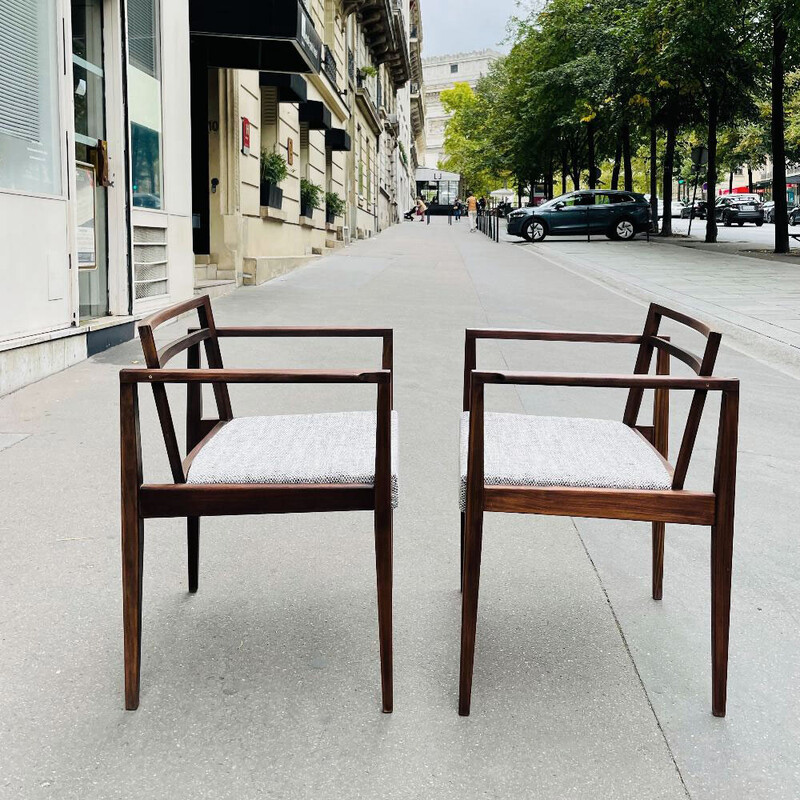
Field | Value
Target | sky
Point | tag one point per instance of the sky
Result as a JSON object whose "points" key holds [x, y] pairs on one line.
{"points": [[457, 26]]}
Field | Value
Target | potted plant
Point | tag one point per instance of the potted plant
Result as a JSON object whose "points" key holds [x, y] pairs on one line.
{"points": [[273, 171], [309, 197], [334, 207]]}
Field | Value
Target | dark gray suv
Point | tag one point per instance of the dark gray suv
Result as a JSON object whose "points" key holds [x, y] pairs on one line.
{"points": [[617, 214]]}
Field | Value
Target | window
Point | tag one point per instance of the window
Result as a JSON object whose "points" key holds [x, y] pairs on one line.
{"points": [[453, 69], [578, 200], [30, 134], [602, 199], [144, 102]]}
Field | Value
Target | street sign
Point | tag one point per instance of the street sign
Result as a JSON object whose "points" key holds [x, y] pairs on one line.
{"points": [[700, 155]]}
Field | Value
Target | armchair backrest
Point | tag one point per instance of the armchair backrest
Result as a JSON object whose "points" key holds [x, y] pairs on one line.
{"points": [[702, 366], [156, 358]]}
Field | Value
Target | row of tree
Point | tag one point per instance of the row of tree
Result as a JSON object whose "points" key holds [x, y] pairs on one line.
{"points": [[592, 88]]}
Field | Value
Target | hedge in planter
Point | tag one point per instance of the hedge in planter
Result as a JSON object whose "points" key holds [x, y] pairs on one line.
{"points": [[273, 171], [310, 195], [334, 207]]}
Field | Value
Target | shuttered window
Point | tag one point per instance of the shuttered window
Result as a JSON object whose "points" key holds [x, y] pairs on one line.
{"points": [[30, 138], [143, 36]]}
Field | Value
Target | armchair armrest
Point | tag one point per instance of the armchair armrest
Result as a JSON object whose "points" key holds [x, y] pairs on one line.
{"points": [[606, 381], [142, 375]]}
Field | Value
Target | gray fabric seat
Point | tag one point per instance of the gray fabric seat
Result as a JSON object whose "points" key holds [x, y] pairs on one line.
{"points": [[296, 449], [525, 450]]}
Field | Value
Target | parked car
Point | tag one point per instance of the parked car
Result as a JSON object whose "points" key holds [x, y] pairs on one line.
{"points": [[617, 214], [769, 211], [696, 210], [676, 208], [738, 209], [794, 216]]}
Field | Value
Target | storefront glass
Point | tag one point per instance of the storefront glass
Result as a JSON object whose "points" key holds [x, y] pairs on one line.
{"points": [[30, 136], [144, 102]]}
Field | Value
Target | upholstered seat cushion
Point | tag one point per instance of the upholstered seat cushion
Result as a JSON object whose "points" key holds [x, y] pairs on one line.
{"points": [[298, 449], [524, 450]]}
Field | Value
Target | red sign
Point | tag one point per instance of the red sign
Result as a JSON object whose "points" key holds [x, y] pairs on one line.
{"points": [[245, 136]]}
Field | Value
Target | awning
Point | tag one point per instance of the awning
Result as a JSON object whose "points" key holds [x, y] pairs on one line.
{"points": [[291, 88], [274, 35], [316, 115], [337, 139]]}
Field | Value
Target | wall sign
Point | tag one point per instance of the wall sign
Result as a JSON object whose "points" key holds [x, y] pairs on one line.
{"points": [[245, 136], [85, 211], [290, 151]]}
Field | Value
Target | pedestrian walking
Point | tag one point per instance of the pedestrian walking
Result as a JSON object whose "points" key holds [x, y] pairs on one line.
{"points": [[472, 211], [482, 206], [421, 209], [457, 210]]}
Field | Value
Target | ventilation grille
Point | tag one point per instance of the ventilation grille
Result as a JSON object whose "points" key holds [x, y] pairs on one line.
{"points": [[269, 106], [149, 262], [20, 29]]}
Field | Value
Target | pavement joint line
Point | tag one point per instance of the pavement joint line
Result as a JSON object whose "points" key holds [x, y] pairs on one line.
{"points": [[632, 660], [780, 355]]}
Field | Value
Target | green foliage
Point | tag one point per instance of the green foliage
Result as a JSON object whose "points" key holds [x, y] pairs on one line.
{"points": [[310, 193], [403, 154], [334, 204], [369, 71], [273, 167]]}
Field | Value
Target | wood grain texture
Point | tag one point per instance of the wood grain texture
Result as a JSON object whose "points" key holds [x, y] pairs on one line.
{"points": [[132, 375]]}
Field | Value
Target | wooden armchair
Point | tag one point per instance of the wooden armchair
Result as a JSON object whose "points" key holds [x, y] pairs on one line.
{"points": [[253, 465], [600, 468]]}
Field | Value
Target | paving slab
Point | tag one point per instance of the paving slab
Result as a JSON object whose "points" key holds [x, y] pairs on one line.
{"points": [[266, 683]]}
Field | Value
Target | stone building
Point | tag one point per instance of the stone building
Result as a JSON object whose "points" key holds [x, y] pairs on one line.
{"points": [[440, 73]]}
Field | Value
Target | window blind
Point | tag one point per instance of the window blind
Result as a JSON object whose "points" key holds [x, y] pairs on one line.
{"points": [[21, 32], [143, 35]]}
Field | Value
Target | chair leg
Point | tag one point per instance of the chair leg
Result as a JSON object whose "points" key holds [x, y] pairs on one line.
{"points": [[469, 608], [721, 566], [383, 563], [132, 562], [461, 581], [193, 543], [658, 559]]}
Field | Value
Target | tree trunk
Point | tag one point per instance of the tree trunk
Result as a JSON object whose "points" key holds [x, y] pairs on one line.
{"points": [[564, 171], [669, 161], [749, 179], [626, 157], [653, 176], [519, 192], [711, 172], [779, 37], [617, 162], [730, 183], [590, 149]]}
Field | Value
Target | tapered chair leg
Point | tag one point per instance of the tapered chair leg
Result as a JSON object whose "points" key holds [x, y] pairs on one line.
{"points": [[658, 559], [469, 607], [383, 562], [193, 546], [721, 566], [461, 580], [132, 562]]}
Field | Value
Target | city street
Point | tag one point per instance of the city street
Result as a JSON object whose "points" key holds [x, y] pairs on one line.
{"points": [[266, 683]]}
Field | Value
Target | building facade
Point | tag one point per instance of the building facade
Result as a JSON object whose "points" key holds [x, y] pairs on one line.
{"points": [[132, 141], [95, 205], [444, 72]]}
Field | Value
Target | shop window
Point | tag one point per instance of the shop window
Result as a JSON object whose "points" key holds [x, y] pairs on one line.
{"points": [[144, 102], [30, 134]]}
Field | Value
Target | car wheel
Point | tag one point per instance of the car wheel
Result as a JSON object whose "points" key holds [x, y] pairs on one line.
{"points": [[740, 224], [623, 230], [726, 221], [534, 230], [759, 224]]}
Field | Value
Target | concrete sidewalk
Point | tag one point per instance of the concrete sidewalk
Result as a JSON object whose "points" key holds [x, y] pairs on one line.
{"points": [[266, 683]]}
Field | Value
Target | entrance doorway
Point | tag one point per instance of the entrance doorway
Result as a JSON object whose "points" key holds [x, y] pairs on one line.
{"points": [[91, 157]]}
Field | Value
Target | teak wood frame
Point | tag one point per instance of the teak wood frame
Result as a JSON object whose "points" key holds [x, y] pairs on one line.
{"points": [[713, 508], [142, 501]]}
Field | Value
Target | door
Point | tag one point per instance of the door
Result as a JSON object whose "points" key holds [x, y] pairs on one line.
{"points": [[601, 213], [573, 215], [91, 157]]}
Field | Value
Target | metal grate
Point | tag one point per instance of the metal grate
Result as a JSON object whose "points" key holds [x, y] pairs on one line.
{"points": [[150, 267], [20, 43]]}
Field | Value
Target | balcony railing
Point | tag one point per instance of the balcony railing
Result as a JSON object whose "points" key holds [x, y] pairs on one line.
{"points": [[329, 65]]}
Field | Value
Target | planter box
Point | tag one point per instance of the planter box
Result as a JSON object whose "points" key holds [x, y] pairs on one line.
{"points": [[306, 210], [271, 195], [330, 217]]}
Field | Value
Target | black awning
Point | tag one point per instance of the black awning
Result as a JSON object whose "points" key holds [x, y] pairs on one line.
{"points": [[291, 88], [274, 35], [316, 115], [337, 139]]}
